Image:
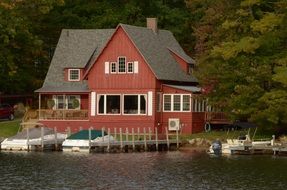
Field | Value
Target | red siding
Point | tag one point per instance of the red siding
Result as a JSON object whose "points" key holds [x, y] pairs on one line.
{"points": [[120, 45], [84, 101]]}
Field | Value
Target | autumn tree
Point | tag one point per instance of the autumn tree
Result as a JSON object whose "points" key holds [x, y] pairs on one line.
{"points": [[242, 57]]}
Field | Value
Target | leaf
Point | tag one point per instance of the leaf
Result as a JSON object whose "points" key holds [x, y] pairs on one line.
{"points": [[267, 23]]}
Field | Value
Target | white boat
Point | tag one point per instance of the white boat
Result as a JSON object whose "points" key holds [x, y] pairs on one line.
{"points": [[233, 145], [21, 141], [80, 142]]}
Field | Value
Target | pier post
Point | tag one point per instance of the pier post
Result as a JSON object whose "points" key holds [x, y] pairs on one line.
{"points": [[177, 140], [121, 138], [156, 139], [115, 133], [103, 134], [28, 138], [109, 133], [90, 138], [273, 140], [127, 134], [138, 133], [133, 138], [56, 138], [42, 138], [149, 133], [80, 128], [145, 144], [167, 139], [69, 131]]}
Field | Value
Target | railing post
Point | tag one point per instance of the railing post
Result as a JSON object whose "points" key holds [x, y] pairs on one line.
{"points": [[167, 138], [28, 139], [177, 140], [42, 138], [56, 138], [90, 139], [156, 139], [109, 133], [145, 144], [121, 138], [127, 134], [133, 138], [103, 134]]}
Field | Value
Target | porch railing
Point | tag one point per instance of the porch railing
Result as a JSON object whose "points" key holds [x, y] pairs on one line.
{"points": [[50, 114], [216, 117]]}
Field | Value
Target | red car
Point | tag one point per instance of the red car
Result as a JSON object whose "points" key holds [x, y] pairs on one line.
{"points": [[6, 112]]}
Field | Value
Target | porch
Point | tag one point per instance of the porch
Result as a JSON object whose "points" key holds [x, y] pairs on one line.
{"points": [[62, 114], [216, 118]]}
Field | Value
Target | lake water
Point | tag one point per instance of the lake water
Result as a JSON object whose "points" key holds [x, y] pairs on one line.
{"points": [[151, 170]]}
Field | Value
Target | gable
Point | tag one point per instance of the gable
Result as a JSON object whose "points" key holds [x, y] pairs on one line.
{"points": [[120, 46]]}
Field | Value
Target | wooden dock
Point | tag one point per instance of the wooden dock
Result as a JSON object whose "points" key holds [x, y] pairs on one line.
{"points": [[130, 141]]}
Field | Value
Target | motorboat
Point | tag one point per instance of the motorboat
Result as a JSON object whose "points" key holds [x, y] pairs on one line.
{"points": [[30, 138], [82, 140]]}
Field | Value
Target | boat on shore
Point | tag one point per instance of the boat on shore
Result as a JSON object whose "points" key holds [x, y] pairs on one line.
{"points": [[82, 140], [33, 138]]}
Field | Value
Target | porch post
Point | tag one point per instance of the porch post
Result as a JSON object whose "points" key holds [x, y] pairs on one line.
{"points": [[39, 105]]}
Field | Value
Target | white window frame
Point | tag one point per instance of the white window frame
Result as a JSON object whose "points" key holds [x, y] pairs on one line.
{"points": [[172, 103], [69, 75], [128, 64], [105, 104], [111, 67], [65, 101], [139, 106], [118, 70]]}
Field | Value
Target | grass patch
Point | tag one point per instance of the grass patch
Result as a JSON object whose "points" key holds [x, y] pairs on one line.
{"points": [[223, 135], [9, 128]]}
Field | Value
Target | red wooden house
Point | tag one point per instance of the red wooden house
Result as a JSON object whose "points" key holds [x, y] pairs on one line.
{"points": [[126, 77]]}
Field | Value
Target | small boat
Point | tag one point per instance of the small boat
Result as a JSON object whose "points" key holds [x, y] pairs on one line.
{"points": [[80, 141], [32, 139], [232, 145]]}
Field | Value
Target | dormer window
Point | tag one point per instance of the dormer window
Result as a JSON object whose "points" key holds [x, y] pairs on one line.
{"points": [[74, 74], [122, 64]]}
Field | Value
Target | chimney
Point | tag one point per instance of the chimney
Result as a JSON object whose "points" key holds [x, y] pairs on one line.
{"points": [[151, 23]]}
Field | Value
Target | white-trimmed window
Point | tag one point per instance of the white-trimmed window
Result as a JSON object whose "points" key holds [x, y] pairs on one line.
{"points": [[135, 104], [176, 102], [109, 104], [130, 67], [68, 101], [113, 67], [122, 65], [74, 74]]}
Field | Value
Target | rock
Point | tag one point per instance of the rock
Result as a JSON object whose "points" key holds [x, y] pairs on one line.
{"points": [[192, 141]]}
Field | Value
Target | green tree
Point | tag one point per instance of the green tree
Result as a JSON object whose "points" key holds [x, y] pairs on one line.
{"points": [[243, 57], [20, 49]]}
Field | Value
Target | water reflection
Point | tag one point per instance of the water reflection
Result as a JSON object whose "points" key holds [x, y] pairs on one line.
{"points": [[163, 170]]}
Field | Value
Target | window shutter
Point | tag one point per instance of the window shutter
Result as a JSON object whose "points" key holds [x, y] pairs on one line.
{"points": [[150, 103], [93, 103], [136, 66], [107, 67]]}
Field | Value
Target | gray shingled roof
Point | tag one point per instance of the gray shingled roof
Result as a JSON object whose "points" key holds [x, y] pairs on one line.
{"points": [[80, 49], [154, 49], [74, 50]]}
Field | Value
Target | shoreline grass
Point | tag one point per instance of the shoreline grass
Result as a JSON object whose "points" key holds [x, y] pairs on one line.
{"points": [[9, 128]]}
